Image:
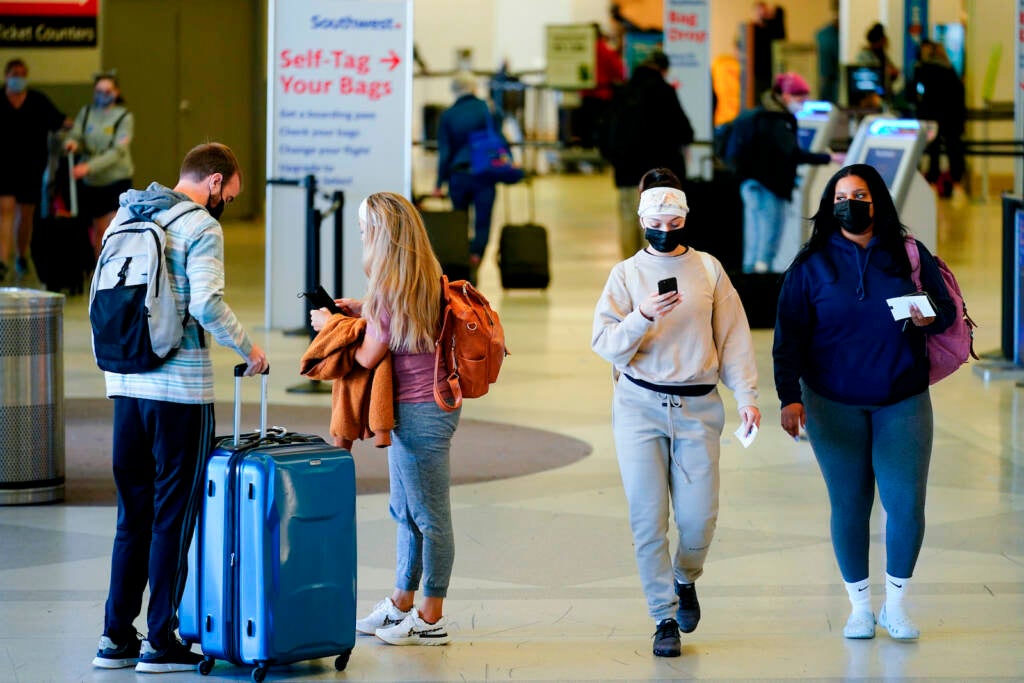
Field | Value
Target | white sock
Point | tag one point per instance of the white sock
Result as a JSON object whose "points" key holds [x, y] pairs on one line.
{"points": [[894, 591], [860, 595]]}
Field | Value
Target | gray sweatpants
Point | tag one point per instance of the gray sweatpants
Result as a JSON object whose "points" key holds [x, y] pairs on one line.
{"points": [[668, 449]]}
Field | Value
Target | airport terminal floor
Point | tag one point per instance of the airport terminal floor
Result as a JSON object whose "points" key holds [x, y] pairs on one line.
{"points": [[545, 587]]}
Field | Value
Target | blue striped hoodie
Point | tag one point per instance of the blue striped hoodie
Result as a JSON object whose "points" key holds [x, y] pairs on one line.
{"points": [[195, 266]]}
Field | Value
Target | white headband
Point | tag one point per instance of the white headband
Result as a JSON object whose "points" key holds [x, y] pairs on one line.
{"points": [[362, 211], [659, 201]]}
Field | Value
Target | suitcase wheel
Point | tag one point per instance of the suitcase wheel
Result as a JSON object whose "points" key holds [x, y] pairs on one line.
{"points": [[259, 673], [206, 666], [342, 661]]}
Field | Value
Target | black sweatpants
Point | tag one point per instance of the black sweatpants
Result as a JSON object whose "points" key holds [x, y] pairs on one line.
{"points": [[160, 450]]}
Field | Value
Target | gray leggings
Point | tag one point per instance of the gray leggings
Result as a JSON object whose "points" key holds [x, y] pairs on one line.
{"points": [[859, 446]]}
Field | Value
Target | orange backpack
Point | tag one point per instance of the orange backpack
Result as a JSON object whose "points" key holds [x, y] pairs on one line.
{"points": [[470, 347]]}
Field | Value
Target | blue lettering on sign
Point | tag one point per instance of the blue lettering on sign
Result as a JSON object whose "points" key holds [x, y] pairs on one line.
{"points": [[349, 23]]}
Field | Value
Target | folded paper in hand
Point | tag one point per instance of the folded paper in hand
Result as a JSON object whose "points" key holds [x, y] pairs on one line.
{"points": [[746, 438], [900, 306]]}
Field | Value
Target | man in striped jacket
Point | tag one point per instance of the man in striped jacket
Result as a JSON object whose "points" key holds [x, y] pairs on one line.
{"points": [[163, 419]]}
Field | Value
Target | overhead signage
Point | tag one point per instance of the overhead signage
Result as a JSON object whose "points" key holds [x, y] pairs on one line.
{"points": [[48, 23]]}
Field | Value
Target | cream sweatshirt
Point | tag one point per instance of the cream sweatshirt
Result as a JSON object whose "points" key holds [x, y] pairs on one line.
{"points": [[705, 339]]}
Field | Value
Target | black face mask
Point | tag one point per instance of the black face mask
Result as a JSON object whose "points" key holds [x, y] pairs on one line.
{"points": [[216, 210], [664, 240], [853, 215]]}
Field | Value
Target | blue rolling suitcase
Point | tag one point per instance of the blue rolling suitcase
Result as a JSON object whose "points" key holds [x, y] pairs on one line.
{"points": [[272, 566]]}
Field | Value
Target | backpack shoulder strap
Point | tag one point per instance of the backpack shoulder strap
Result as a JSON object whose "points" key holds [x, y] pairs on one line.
{"points": [[117, 123], [914, 254], [709, 271]]}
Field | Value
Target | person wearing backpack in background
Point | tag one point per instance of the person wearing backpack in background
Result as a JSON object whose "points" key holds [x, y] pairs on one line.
{"points": [[402, 309], [467, 115], [646, 128], [103, 133], [670, 346], [764, 151], [164, 420], [858, 380]]}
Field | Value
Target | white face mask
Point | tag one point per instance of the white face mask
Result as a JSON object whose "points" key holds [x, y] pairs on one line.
{"points": [[794, 107]]}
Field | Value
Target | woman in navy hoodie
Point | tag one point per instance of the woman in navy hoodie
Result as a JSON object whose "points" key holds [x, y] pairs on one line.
{"points": [[859, 381]]}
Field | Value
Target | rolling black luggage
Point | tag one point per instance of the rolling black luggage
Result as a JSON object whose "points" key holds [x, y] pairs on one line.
{"points": [[448, 230], [759, 293], [61, 249], [523, 251]]}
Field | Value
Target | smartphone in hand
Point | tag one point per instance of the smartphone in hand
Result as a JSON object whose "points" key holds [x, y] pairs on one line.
{"points": [[321, 299], [667, 285]]}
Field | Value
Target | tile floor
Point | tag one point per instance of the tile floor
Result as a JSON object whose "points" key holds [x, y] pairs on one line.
{"points": [[545, 586]]}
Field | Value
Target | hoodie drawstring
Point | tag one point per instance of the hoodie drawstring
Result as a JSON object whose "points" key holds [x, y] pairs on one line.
{"points": [[861, 293], [669, 401]]}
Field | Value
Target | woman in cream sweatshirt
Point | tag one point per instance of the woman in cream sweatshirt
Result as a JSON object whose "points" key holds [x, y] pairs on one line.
{"points": [[669, 351]]}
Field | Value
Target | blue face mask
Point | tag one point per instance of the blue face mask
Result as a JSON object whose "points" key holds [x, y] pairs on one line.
{"points": [[103, 99], [17, 84]]}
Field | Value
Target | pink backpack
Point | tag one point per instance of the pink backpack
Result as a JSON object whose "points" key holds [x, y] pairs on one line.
{"points": [[948, 350]]}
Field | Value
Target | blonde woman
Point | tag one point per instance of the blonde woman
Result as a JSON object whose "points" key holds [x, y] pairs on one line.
{"points": [[402, 309]]}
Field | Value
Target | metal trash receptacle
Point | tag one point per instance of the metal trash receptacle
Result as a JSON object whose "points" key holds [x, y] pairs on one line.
{"points": [[31, 396]]}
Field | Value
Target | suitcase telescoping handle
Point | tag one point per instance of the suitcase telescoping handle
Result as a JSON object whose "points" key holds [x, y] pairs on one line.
{"points": [[72, 185], [239, 373]]}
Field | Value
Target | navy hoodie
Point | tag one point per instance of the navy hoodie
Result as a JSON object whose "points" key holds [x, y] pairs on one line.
{"points": [[835, 331]]}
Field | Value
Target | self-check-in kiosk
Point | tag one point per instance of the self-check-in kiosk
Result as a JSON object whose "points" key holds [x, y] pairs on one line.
{"points": [[894, 147], [816, 122]]}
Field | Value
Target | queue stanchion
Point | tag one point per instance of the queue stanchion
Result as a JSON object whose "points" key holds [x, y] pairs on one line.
{"points": [[314, 221]]}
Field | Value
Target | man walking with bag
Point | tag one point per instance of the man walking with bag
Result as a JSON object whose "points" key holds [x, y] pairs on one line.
{"points": [[163, 418]]}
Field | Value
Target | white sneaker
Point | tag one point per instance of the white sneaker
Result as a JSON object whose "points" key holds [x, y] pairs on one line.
{"points": [[384, 614], [898, 624], [860, 626], [414, 631]]}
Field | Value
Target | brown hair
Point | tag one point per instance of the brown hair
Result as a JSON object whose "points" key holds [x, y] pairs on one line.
{"points": [[202, 161]]}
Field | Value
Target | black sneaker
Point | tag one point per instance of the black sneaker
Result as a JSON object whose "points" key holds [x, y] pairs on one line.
{"points": [[110, 655], [177, 657], [666, 639], [688, 612]]}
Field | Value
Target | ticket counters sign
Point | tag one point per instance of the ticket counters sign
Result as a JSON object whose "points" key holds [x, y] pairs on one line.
{"points": [[340, 109], [48, 23], [688, 48]]}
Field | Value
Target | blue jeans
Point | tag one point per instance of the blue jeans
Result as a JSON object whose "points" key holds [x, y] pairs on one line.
{"points": [[764, 214], [419, 468], [859, 446], [464, 189]]}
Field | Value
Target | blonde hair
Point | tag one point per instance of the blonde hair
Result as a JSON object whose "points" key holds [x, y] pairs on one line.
{"points": [[404, 276]]}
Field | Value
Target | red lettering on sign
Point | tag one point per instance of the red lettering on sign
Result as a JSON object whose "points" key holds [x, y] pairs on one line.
{"points": [[300, 86], [372, 90], [350, 62], [309, 59], [676, 35], [680, 18]]}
